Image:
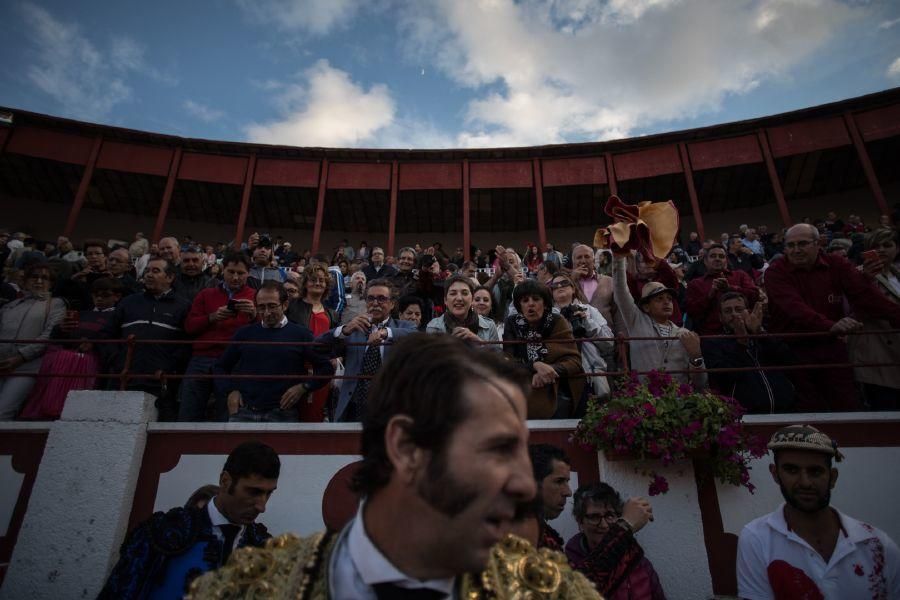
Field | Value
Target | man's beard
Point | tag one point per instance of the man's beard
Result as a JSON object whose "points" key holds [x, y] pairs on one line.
{"points": [[442, 491], [822, 503]]}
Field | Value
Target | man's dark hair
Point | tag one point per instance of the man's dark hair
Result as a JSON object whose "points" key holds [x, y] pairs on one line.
{"points": [[720, 246], [532, 287], [382, 282], [276, 286], [169, 268], [236, 258], [95, 243], [406, 301], [732, 296], [252, 458], [107, 284], [425, 378], [542, 457], [598, 493]]}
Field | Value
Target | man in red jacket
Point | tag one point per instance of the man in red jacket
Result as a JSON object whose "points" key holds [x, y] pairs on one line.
{"points": [[703, 293], [807, 290], [215, 315]]}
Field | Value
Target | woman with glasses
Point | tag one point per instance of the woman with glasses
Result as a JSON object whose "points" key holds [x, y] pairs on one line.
{"points": [[460, 319], [602, 518], [31, 317], [542, 341], [586, 322], [308, 310]]}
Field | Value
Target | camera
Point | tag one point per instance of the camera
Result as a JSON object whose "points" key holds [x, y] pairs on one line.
{"points": [[232, 305], [579, 328], [265, 241]]}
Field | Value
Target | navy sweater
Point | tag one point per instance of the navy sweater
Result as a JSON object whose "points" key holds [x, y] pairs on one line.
{"points": [[244, 359]]}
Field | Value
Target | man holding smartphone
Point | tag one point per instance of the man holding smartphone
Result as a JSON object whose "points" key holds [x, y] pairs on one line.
{"points": [[216, 314]]}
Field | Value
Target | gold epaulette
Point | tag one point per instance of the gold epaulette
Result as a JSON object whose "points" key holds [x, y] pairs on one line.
{"points": [[518, 571], [286, 567]]}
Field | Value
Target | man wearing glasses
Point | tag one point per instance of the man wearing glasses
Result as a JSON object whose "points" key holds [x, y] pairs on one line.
{"points": [[270, 400], [808, 291], [600, 514], [363, 343]]}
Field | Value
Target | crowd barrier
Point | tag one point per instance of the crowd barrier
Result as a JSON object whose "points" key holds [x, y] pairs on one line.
{"points": [[621, 342]]}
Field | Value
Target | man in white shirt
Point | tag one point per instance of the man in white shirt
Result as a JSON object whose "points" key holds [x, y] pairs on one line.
{"points": [[806, 548]]}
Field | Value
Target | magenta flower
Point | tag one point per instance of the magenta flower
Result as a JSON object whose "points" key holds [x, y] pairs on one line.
{"points": [[658, 486]]}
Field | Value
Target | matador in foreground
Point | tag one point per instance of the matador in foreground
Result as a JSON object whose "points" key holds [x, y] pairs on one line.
{"points": [[445, 471]]}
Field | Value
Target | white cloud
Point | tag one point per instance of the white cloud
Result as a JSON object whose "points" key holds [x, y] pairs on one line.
{"points": [[573, 70], [70, 69], [317, 17], [67, 66], [202, 111], [894, 69], [327, 109], [888, 24]]}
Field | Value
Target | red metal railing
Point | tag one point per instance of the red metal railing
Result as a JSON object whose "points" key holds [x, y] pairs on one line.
{"points": [[620, 341]]}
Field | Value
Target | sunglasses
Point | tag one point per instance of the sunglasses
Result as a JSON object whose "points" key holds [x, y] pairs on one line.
{"points": [[559, 284]]}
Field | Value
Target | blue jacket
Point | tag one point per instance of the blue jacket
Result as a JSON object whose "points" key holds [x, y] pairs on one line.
{"points": [[161, 557]]}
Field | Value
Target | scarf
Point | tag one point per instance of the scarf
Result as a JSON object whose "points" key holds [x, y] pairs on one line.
{"points": [[470, 322], [535, 348]]}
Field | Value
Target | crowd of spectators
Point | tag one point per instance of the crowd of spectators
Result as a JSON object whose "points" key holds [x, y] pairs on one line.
{"points": [[555, 311]]}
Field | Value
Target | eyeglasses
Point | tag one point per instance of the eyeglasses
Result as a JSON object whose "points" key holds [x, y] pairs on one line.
{"points": [[379, 299], [799, 244], [559, 284], [595, 518]]}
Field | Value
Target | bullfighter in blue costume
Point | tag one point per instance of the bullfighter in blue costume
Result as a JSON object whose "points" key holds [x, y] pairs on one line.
{"points": [[164, 554]]}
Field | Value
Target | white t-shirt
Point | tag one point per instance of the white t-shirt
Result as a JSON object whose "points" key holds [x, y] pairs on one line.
{"points": [[774, 562]]}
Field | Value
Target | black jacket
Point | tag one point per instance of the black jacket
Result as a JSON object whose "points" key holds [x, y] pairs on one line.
{"points": [[757, 391]]}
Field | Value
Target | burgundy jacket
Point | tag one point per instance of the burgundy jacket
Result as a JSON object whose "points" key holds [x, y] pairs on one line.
{"points": [[636, 580], [704, 311], [813, 299]]}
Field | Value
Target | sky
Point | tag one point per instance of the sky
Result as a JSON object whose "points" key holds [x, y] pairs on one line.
{"points": [[439, 73]]}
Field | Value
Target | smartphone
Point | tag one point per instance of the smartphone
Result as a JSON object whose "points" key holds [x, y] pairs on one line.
{"points": [[232, 305]]}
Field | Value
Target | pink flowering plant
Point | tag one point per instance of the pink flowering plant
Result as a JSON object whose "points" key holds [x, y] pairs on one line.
{"points": [[660, 419]]}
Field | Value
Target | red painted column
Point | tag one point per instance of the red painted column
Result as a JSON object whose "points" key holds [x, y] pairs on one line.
{"points": [[773, 177], [863, 155], [467, 225], [83, 187], [245, 200], [539, 203], [167, 196], [320, 206], [611, 174], [392, 215], [692, 192]]}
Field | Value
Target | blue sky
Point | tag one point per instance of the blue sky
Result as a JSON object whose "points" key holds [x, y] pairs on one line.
{"points": [[439, 73]]}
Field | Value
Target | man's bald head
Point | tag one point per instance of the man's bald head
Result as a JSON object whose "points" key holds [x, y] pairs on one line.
{"points": [[170, 249]]}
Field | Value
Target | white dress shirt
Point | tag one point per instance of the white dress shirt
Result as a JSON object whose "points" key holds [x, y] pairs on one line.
{"points": [[356, 565], [217, 519]]}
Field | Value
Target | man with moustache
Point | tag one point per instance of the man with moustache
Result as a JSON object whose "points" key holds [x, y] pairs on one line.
{"points": [[441, 481], [597, 288], [807, 548]]}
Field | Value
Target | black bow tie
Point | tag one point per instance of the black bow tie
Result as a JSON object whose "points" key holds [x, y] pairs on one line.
{"points": [[392, 591]]}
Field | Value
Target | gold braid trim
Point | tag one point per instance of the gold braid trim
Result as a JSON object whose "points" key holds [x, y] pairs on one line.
{"points": [[294, 568], [518, 571], [287, 568]]}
